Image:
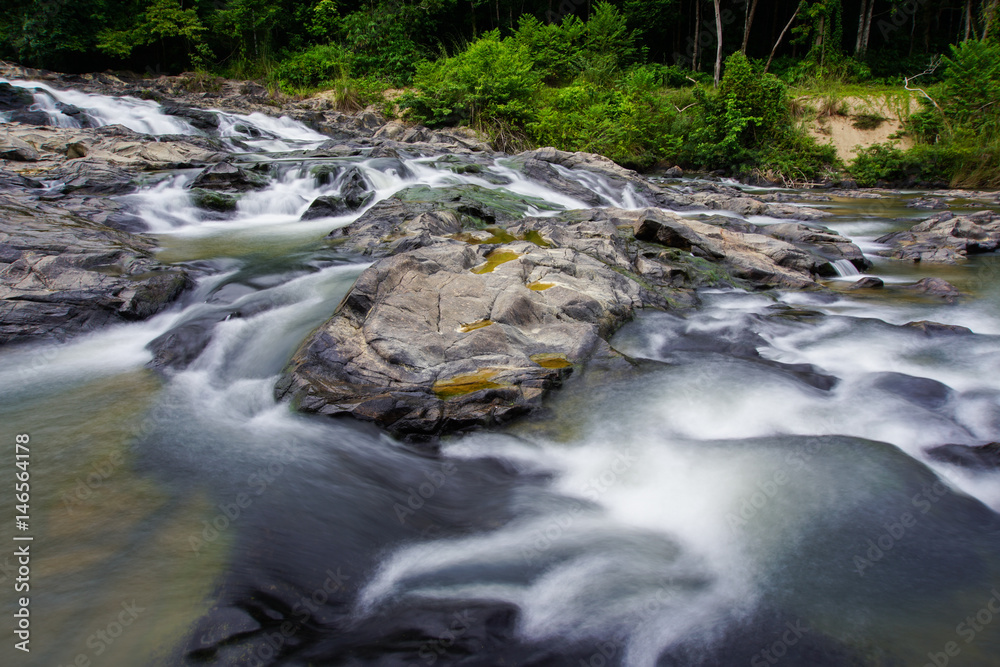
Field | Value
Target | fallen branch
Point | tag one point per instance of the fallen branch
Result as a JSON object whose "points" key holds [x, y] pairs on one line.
{"points": [[933, 65]]}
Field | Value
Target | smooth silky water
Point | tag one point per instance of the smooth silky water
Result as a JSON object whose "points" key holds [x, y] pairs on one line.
{"points": [[760, 477]]}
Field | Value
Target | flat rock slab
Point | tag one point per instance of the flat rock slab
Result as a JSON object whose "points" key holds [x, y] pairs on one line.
{"points": [[945, 238], [62, 274]]}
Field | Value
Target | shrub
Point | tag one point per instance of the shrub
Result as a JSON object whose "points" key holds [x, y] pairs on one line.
{"points": [[749, 111], [879, 162], [492, 82], [381, 43], [971, 86], [309, 68]]}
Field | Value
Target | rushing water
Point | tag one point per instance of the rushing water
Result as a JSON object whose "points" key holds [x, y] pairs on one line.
{"points": [[757, 492]]}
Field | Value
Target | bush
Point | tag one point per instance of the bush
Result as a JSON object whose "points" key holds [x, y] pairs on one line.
{"points": [[971, 86], [491, 83], [632, 123], [381, 45], [313, 66], [880, 162], [749, 111]]}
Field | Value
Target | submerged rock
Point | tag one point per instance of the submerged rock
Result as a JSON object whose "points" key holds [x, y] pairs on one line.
{"points": [[983, 457], [868, 282], [936, 287]]}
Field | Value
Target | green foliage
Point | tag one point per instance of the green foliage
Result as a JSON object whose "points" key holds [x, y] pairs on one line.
{"points": [[596, 49], [749, 111], [381, 43], [554, 48], [633, 123], [490, 82], [881, 162], [313, 66], [971, 86], [162, 20]]}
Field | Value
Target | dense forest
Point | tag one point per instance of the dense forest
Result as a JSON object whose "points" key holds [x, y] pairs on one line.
{"points": [[710, 85]]}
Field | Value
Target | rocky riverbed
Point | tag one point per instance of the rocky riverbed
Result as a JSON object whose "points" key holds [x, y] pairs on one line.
{"points": [[344, 383]]}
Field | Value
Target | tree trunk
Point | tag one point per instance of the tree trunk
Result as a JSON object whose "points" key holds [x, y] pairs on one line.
{"points": [[697, 35], [718, 46], [858, 51], [868, 26], [782, 36], [746, 26], [989, 15], [968, 19]]}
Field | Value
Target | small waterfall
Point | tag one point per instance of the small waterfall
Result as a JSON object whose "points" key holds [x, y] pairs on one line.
{"points": [[845, 268], [244, 131], [99, 110]]}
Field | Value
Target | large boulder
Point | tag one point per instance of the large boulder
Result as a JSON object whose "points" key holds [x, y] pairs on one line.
{"points": [[463, 323], [61, 274], [455, 336], [945, 238], [227, 176]]}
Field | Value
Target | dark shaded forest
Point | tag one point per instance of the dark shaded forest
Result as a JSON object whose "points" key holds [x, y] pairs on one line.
{"points": [[621, 78]]}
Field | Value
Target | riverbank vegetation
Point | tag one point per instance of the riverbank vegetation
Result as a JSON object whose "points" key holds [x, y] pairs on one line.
{"points": [[728, 86]]}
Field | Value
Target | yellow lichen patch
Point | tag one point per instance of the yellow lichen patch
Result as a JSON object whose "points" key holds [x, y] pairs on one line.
{"points": [[551, 360], [460, 385], [472, 326], [495, 259], [539, 286], [533, 236], [498, 236]]}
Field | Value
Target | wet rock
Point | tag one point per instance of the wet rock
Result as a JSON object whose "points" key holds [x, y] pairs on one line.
{"points": [[927, 203], [868, 282], [924, 392], [14, 97], [221, 625], [945, 238], [183, 344], [27, 117], [213, 200], [983, 457], [355, 189], [61, 274], [561, 170], [759, 259], [226, 176], [449, 210], [13, 148], [674, 172], [326, 207], [450, 337], [93, 178], [199, 118], [929, 327], [819, 241], [936, 287]]}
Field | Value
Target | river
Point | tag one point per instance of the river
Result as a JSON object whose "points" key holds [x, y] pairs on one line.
{"points": [[758, 492]]}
